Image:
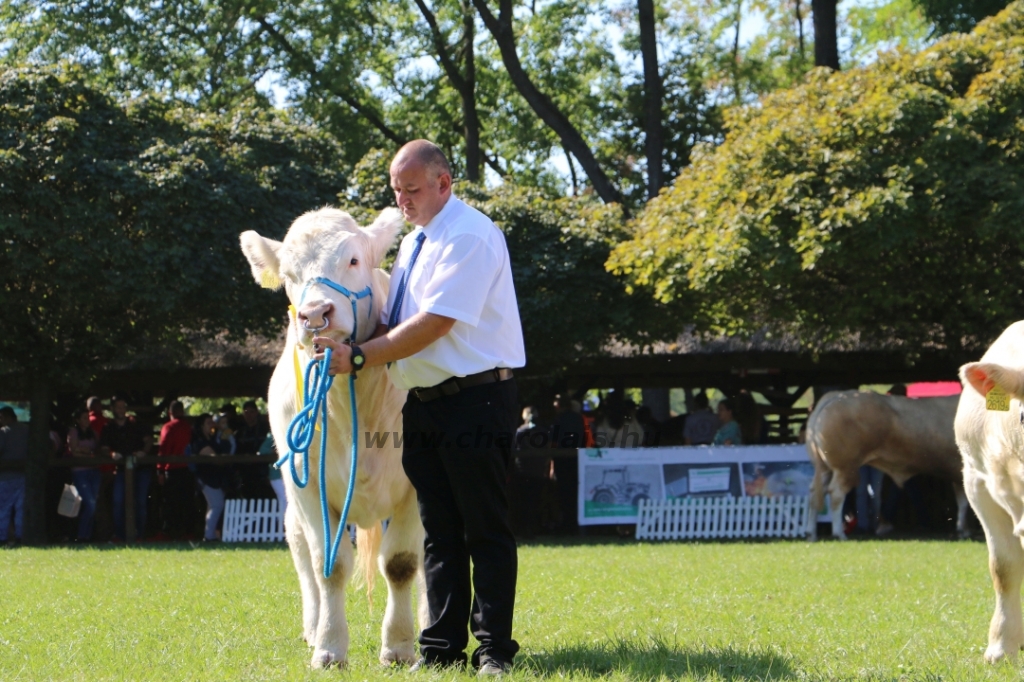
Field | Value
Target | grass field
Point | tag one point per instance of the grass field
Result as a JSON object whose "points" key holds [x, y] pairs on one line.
{"points": [[605, 610]]}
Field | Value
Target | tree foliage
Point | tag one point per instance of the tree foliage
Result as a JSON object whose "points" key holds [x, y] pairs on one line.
{"points": [[884, 202], [119, 222], [568, 303], [948, 16]]}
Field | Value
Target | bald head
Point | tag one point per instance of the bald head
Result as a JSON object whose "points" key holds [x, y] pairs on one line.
{"points": [[423, 153], [422, 181]]}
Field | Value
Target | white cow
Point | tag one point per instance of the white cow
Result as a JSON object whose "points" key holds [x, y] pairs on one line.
{"points": [[992, 444], [329, 244], [903, 437]]}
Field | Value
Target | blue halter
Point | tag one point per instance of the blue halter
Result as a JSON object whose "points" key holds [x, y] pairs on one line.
{"points": [[352, 297], [317, 385]]}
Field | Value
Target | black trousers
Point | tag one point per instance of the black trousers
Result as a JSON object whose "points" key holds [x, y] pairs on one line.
{"points": [[456, 452]]}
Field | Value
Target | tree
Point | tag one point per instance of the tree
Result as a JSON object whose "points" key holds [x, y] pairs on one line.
{"points": [[949, 16], [570, 306], [120, 224], [882, 204], [826, 42]]}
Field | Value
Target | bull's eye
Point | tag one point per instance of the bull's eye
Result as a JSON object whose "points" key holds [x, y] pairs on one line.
{"points": [[354, 261]]}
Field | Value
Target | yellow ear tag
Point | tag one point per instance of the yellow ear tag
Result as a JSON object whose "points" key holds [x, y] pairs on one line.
{"points": [[269, 280], [997, 400]]}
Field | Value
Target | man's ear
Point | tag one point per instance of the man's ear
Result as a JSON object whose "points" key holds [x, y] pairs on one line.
{"points": [[382, 232], [262, 256], [984, 376]]}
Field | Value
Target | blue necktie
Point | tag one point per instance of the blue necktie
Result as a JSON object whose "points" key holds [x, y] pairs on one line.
{"points": [[396, 309]]}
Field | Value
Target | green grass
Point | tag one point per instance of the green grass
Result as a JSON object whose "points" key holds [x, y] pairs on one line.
{"points": [[591, 610]]}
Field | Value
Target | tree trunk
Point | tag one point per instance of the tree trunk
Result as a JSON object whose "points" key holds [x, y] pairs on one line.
{"points": [[500, 28], [653, 139], [468, 94], [826, 47], [464, 84], [34, 531]]}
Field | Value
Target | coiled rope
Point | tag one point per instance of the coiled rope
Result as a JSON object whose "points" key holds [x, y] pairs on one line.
{"points": [[315, 389]]}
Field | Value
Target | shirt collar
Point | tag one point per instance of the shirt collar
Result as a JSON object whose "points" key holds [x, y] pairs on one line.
{"points": [[442, 215]]}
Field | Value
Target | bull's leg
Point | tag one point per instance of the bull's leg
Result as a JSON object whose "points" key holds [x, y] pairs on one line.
{"points": [[842, 483], [331, 641], [961, 509], [817, 499], [401, 559], [1006, 565], [307, 574]]}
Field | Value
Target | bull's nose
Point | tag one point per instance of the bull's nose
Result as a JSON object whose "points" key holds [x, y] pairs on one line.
{"points": [[315, 316]]}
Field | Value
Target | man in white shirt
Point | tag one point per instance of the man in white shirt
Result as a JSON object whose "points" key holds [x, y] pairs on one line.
{"points": [[450, 333]]}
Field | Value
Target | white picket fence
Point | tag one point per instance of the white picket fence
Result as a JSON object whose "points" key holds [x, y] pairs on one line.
{"points": [[252, 521], [722, 517]]}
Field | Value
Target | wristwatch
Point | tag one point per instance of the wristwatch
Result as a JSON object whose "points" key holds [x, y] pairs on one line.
{"points": [[358, 359]]}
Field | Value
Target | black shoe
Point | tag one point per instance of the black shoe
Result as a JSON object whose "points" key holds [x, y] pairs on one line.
{"points": [[492, 667]]}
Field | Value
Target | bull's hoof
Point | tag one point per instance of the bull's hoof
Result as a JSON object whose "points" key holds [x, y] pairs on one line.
{"points": [[398, 655], [322, 658], [996, 652]]}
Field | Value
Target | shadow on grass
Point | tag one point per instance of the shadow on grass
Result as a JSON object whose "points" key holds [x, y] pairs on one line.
{"points": [[656, 659]]}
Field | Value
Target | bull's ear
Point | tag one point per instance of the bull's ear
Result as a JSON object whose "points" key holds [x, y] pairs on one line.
{"points": [[262, 255], [382, 233], [984, 376]]}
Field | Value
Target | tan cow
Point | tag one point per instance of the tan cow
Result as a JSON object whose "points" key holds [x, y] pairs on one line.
{"points": [[328, 245], [903, 437], [992, 444]]}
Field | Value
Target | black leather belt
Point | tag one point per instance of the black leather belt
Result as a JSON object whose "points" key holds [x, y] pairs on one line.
{"points": [[456, 384]]}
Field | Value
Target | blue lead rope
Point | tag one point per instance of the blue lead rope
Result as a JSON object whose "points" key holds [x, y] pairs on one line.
{"points": [[316, 386]]}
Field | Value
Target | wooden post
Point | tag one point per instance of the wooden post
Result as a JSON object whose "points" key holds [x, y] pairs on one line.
{"points": [[129, 498]]}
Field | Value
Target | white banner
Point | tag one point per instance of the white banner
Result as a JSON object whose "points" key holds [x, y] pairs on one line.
{"points": [[614, 480]]}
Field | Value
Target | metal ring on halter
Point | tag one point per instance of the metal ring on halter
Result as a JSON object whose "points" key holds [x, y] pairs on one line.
{"points": [[315, 330]]}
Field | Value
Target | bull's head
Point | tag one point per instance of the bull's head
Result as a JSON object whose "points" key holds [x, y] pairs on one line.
{"points": [[326, 246]]}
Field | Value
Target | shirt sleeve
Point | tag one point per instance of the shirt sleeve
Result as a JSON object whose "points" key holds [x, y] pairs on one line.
{"points": [[461, 279]]}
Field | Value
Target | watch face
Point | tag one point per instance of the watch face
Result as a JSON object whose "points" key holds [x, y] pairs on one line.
{"points": [[358, 359]]}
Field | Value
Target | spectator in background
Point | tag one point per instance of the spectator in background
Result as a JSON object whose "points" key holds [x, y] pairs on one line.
{"points": [[747, 413], [567, 431], [178, 510], [701, 424], [235, 420], [97, 420], [123, 436], [212, 440], [729, 432], [82, 442], [530, 474], [248, 440], [13, 448], [651, 426], [617, 429]]}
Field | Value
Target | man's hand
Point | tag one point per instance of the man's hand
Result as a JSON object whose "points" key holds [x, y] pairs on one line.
{"points": [[341, 355]]}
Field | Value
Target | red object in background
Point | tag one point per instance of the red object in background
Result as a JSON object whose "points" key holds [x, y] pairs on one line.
{"points": [[588, 430], [934, 389]]}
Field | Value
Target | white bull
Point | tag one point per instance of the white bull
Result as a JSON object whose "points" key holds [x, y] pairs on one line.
{"points": [[992, 444], [903, 437], [329, 244]]}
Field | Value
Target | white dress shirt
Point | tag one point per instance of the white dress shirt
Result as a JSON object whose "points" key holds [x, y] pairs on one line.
{"points": [[462, 272]]}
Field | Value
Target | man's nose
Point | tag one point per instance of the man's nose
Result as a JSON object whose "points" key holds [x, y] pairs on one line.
{"points": [[315, 316]]}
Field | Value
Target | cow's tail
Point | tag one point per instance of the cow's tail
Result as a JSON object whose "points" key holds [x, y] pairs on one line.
{"points": [[368, 547]]}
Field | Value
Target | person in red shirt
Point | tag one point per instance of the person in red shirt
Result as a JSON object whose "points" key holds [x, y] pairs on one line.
{"points": [[96, 418], [178, 507]]}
